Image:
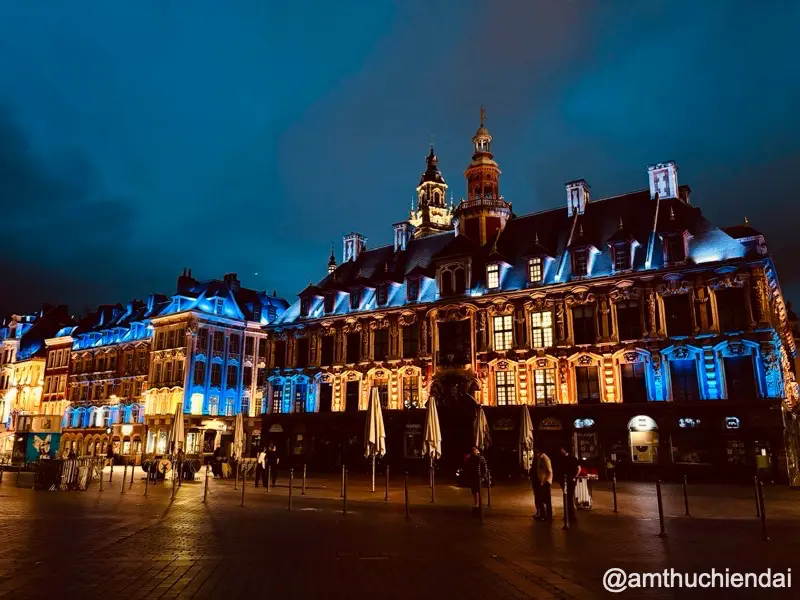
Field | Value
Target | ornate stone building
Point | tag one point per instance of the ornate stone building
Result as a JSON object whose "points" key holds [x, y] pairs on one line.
{"points": [[631, 328]]}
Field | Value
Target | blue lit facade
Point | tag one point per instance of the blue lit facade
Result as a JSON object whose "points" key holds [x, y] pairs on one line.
{"points": [[633, 313]]}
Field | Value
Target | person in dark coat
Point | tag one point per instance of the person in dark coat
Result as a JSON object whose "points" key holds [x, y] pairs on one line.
{"points": [[570, 468], [475, 470], [272, 462], [542, 471]]}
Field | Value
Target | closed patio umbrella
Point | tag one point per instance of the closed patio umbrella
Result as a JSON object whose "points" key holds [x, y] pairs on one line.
{"points": [[525, 437], [238, 437], [177, 434], [433, 438], [483, 437], [375, 432]]}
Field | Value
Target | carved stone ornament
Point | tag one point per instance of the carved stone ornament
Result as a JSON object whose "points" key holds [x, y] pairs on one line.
{"points": [[300, 333], [408, 318], [326, 377], [728, 280], [585, 359], [502, 365], [351, 376], [500, 307], [541, 363], [381, 374], [681, 352], [409, 371], [538, 302], [279, 334], [671, 287], [736, 348], [631, 357], [624, 293], [453, 313], [579, 295], [382, 323], [656, 363]]}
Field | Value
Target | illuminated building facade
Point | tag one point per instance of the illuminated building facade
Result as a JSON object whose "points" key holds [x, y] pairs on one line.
{"points": [[209, 356], [632, 328], [29, 429], [109, 352]]}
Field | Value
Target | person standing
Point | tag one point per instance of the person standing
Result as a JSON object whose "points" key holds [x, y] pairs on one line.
{"points": [[272, 462], [571, 468], [544, 476], [261, 466], [533, 473], [475, 470]]}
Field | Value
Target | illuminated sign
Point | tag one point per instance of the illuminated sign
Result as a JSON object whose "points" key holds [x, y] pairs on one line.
{"points": [[584, 423], [688, 423], [642, 423], [732, 422]]}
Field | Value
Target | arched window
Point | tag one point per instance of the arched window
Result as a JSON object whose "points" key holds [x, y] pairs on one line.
{"points": [[136, 413]]}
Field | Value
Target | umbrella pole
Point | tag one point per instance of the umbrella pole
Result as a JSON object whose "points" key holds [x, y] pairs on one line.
{"points": [[373, 471], [433, 483]]}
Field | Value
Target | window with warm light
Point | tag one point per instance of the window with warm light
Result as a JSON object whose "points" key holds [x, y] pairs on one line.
{"points": [[410, 391], [535, 269], [544, 384], [505, 391], [493, 276], [542, 329], [503, 332]]}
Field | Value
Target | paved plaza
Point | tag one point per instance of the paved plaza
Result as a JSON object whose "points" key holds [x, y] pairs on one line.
{"points": [[113, 545]]}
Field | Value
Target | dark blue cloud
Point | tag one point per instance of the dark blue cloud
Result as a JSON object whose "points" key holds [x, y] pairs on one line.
{"points": [[139, 138]]}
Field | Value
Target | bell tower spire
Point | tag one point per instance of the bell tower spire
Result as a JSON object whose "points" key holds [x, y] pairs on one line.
{"points": [[485, 211], [432, 214]]}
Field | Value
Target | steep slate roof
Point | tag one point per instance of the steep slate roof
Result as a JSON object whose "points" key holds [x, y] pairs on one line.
{"points": [[51, 320], [250, 304], [545, 233]]}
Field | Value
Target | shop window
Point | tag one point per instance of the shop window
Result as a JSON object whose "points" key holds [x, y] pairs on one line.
{"points": [[410, 391], [587, 385], [380, 340], [732, 310], [740, 378], [302, 352], [505, 390], [629, 320], [353, 347], [583, 324], [544, 385], [503, 326], [634, 382], [678, 315], [326, 351], [683, 374], [411, 340], [542, 329]]}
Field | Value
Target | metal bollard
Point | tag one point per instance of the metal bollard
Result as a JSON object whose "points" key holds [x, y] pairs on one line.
{"points": [[133, 468], [488, 488], [480, 497], [19, 473], [291, 485], [172, 496], [147, 477], [661, 533], [101, 476], [243, 485], [341, 495], [344, 492], [386, 487], [236, 478], [764, 536], [405, 489], [269, 478], [124, 477], [565, 499], [614, 490], [303, 489], [433, 485], [758, 502], [180, 473], [2, 468], [111, 472], [205, 486], [686, 495]]}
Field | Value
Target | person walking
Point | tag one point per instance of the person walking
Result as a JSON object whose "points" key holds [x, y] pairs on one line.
{"points": [[533, 473], [261, 467], [272, 462], [571, 467], [475, 470], [544, 476]]}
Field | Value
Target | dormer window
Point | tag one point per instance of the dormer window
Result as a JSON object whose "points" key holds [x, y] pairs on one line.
{"points": [[622, 256], [305, 306], [412, 289], [219, 305], [493, 276], [453, 280], [580, 262], [382, 294], [330, 302], [355, 299], [535, 271], [674, 248]]}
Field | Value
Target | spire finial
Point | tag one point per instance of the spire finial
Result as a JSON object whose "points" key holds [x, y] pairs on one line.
{"points": [[432, 139], [620, 223], [580, 229], [746, 222], [483, 115], [536, 237], [671, 213]]}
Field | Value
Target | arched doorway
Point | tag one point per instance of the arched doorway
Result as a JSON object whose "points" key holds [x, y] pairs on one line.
{"points": [[643, 437]]}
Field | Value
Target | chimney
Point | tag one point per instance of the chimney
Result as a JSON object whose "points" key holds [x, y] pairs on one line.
{"points": [[577, 196], [185, 281], [233, 281], [684, 192], [354, 244], [403, 232], [663, 180]]}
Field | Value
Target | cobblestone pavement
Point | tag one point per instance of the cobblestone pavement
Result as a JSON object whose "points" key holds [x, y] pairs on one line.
{"points": [[112, 545]]}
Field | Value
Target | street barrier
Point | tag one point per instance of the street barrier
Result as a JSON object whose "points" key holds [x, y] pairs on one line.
{"points": [[565, 501], [488, 488], [661, 533], [614, 490], [686, 495], [764, 536], [205, 486], [303, 490], [758, 502], [291, 485], [124, 478]]}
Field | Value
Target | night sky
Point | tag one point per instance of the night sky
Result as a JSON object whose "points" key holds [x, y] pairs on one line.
{"points": [[141, 137]]}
